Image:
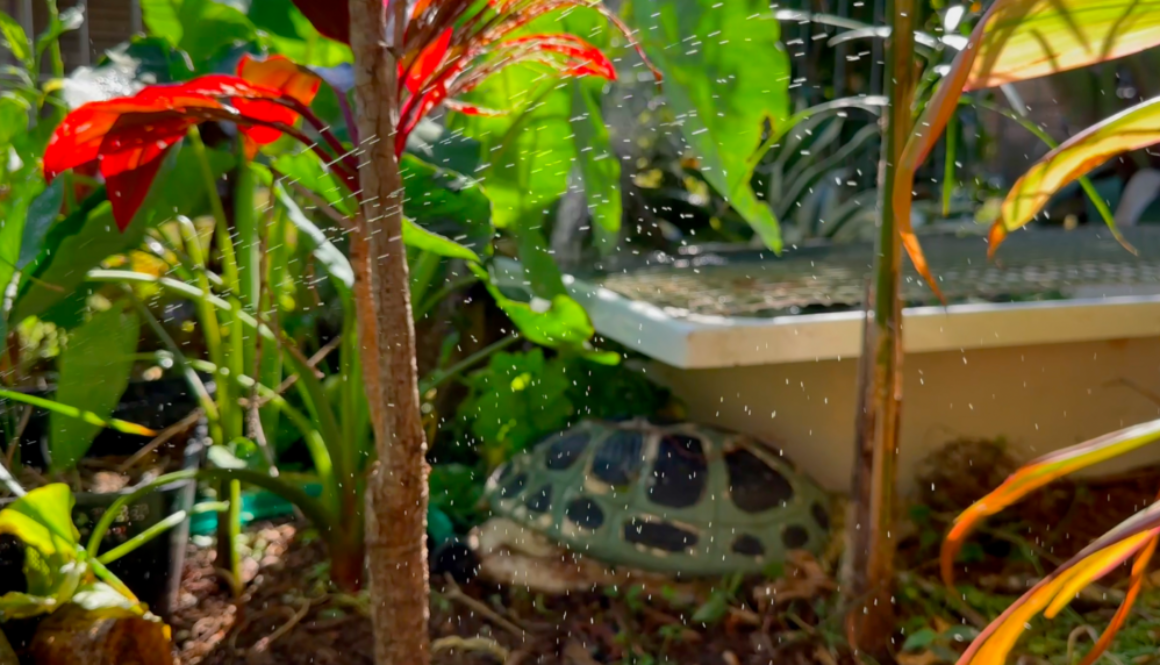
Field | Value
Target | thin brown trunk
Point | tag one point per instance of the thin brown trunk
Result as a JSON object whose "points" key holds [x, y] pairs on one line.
{"points": [[396, 521], [869, 569]]}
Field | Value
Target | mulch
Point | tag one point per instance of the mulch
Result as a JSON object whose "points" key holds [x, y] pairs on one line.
{"points": [[287, 616]]}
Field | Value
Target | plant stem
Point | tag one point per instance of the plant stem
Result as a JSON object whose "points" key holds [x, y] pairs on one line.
{"points": [[396, 519], [227, 399], [869, 567]]}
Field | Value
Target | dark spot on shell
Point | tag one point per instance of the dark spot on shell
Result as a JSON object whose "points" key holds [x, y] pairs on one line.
{"points": [[659, 535], [680, 473], [748, 545], [565, 450], [618, 459], [795, 537], [514, 486], [754, 485], [585, 513], [821, 516], [541, 501]]}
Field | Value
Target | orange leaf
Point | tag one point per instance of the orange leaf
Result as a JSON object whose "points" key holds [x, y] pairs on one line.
{"points": [[1038, 473], [281, 74], [1139, 568], [1095, 561]]}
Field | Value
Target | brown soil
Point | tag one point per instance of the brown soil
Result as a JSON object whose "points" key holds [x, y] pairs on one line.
{"points": [[480, 624]]}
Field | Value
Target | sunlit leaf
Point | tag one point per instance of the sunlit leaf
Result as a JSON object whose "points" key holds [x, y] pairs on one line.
{"points": [[722, 93], [291, 34], [598, 164], [1026, 39], [15, 38], [1018, 40], [446, 202], [42, 519], [1132, 129], [558, 322], [323, 249], [1038, 473], [1130, 538], [422, 239], [94, 371]]}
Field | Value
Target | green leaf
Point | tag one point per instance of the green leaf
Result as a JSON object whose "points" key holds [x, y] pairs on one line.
{"points": [[162, 18], [306, 169], [15, 39], [42, 520], [76, 245], [42, 212], [559, 322], [446, 202], [712, 610], [420, 238], [598, 163], [14, 110], [289, 33], [724, 90], [94, 372], [919, 640], [330, 256], [201, 28], [7, 654]]}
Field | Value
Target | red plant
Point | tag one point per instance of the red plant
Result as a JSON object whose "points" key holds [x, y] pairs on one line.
{"points": [[127, 138], [450, 46]]}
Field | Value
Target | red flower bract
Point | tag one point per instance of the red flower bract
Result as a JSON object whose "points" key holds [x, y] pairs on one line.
{"points": [[128, 137], [451, 46]]}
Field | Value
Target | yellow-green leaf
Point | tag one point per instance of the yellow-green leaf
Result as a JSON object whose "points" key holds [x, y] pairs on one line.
{"points": [[42, 519], [1019, 40], [1135, 128], [1026, 39]]}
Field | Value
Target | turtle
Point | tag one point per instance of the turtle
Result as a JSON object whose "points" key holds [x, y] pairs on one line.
{"points": [[600, 502]]}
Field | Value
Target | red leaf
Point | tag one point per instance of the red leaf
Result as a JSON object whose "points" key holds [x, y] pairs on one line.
{"points": [[580, 57], [426, 64]]}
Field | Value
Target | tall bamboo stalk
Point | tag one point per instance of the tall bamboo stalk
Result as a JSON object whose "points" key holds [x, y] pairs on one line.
{"points": [[397, 489], [869, 568]]}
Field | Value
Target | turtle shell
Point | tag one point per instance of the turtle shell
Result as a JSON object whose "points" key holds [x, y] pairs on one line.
{"points": [[668, 498]]}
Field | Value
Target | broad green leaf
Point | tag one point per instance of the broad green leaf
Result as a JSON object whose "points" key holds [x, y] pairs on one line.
{"points": [[726, 82], [201, 28], [420, 238], [556, 322], [14, 110], [598, 163], [1137, 127], [42, 520], [291, 34], [163, 19], [73, 248], [94, 372], [15, 39], [528, 150], [446, 202], [1026, 39]]}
